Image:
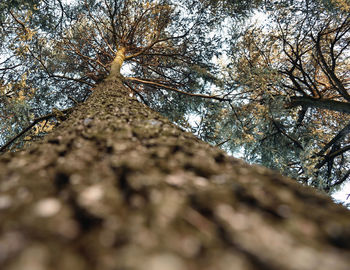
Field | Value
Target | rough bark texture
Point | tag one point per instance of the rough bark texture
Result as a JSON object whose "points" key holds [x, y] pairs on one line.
{"points": [[117, 186]]}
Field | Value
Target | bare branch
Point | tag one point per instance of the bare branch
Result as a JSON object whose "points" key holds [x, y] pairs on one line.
{"points": [[166, 87]]}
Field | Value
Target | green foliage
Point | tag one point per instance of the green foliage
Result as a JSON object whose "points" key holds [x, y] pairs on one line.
{"points": [[301, 52]]}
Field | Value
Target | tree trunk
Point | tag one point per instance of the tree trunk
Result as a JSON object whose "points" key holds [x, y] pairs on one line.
{"points": [[117, 186]]}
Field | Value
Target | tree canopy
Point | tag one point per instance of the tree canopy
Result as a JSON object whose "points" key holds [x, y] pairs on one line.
{"points": [[290, 80], [167, 47]]}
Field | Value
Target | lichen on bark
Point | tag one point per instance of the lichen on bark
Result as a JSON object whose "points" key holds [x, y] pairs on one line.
{"points": [[118, 186]]}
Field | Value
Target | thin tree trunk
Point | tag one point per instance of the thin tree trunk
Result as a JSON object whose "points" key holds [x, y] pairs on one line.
{"points": [[117, 64], [117, 186]]}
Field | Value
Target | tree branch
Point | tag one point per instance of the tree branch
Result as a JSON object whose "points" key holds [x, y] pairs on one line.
{"points": [[26, 129], [329, 72], [342, 180], [280, 129], [332, 155], [341, 134], [159, 85], [328, 104]]}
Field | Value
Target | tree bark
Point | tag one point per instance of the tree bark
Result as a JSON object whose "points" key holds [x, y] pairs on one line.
{"points": [[118, 186], [117, 64]]}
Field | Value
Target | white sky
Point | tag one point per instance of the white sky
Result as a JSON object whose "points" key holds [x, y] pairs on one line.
{"points": [[342, 195]]}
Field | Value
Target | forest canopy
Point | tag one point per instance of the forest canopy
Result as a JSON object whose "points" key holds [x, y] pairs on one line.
{"points": [[276, 91], [294, 72]]}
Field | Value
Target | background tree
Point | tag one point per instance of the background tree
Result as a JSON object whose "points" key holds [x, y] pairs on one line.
{"points": [[19, 21], [291, 86]]}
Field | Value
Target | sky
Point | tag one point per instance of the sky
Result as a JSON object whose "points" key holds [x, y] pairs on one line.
{"points": [[342, 195]]}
